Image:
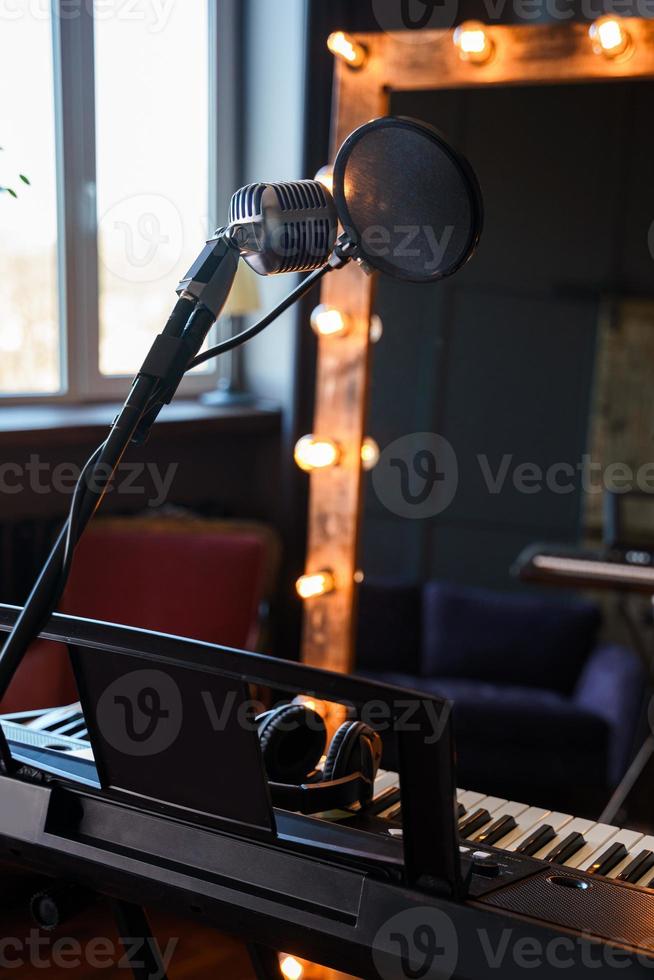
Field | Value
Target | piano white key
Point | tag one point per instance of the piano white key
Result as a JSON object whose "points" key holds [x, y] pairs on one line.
{"points": [[606, 836], [471, 800], [630, 839], [510, 809], [527, 821], [644, 844], [573, 825], [385, 780], [598, 838], [55, 716], [556, 820], [490, 803], [82, 754]]}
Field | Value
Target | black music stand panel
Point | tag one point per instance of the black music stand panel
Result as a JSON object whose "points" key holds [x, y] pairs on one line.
{"points": [[175, 735]]}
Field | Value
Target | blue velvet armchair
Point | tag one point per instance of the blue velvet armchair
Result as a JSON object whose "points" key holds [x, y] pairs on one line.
{"points": [[542, 713]]}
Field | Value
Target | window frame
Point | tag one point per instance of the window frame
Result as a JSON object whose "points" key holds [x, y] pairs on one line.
{"points": [[77, 220]]}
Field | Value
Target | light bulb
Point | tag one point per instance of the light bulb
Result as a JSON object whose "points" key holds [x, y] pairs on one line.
{"points": [[473, 43], [325, 176], [316, 584], [327, 321], [344, 46], [369, 453], [610, 37], [291, 968], [376, 328], [316, 453]]}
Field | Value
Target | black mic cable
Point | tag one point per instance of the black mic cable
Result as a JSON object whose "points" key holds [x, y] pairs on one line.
{"points": [[89, 488]]}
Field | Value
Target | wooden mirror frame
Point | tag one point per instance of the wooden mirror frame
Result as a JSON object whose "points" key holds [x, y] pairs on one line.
{"points": [[524, 55]]}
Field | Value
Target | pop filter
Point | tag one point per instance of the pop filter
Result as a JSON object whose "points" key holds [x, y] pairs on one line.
{"points": [[409, 203]]}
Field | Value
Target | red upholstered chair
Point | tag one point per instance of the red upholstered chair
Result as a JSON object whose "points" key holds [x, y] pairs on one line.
{"points": [[204, 579]]}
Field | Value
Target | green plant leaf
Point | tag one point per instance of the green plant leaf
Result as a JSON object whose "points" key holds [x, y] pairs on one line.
{"points": [[11, 191], [24, 179]]}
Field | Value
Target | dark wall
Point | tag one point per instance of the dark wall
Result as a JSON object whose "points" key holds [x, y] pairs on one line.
{"points": [[500, 360]]}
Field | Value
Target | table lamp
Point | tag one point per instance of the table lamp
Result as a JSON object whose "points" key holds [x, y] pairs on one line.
{"points": [[243, 300]]}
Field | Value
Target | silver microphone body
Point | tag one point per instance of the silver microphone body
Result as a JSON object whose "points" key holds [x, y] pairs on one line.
{"points": [[287, 226]]}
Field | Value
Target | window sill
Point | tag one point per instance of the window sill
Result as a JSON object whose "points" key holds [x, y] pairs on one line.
{"points": [[67, 424]]}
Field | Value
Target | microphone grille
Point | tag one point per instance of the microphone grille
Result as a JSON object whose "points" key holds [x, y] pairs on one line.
{"points": [[246, 203], [294, 224]]}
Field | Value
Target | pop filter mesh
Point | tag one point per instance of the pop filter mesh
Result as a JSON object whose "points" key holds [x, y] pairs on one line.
{"points": [[409, 202]]}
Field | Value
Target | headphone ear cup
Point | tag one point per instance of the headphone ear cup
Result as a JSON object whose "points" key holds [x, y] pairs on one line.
{"points": [[332, 761], [292, 739], [355, 748]]}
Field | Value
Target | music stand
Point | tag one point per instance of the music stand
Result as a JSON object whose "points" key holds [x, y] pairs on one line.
{"points": [[148, 698]]}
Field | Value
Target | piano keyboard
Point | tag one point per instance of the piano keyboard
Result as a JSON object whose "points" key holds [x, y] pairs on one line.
{"points": [[557, 838], [486, 821], [62, 729]]}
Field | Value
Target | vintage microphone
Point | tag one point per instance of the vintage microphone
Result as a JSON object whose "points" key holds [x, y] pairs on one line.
{"points": [[410, 207]]}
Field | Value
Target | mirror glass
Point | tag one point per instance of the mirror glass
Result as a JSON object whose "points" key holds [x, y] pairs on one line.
{"points": [[501, 398]]}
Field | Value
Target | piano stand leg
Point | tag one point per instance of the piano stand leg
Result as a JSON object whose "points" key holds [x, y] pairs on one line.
{"points": [[628, 782], [141, 949], [265, 962]]}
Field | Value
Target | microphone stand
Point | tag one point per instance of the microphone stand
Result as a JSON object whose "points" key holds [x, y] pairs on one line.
{"points": [[203, 293]]}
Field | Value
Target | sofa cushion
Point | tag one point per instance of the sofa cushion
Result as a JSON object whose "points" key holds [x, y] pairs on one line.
{"points": [[486, 713], [523, 744], [389, 626], [614, 685], [505, 639]]}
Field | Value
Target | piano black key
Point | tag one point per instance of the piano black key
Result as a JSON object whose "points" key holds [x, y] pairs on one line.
{"points": [[566, 849], [497, 830], [537, 840], [471, 824], [460, 811], [388, 798], [635, 870], [608, 860]]}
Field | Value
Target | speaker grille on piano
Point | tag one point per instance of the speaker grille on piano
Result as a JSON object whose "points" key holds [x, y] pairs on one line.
{"points": [[604, 910]]}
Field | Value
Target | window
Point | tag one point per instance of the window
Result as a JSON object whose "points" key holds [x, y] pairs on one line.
{"points": [[152, 93], [120, 155], [30, 349]]}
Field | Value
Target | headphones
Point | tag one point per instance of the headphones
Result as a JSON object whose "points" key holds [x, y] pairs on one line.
{"points": [[293, 738]]}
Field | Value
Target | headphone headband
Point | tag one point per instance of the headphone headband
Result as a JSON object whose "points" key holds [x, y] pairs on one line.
{"points": [[293, 739], [334, 794]]}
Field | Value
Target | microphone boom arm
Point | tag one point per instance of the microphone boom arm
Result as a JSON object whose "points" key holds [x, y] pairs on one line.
{"points": [[155, 384], [203, 293]]}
